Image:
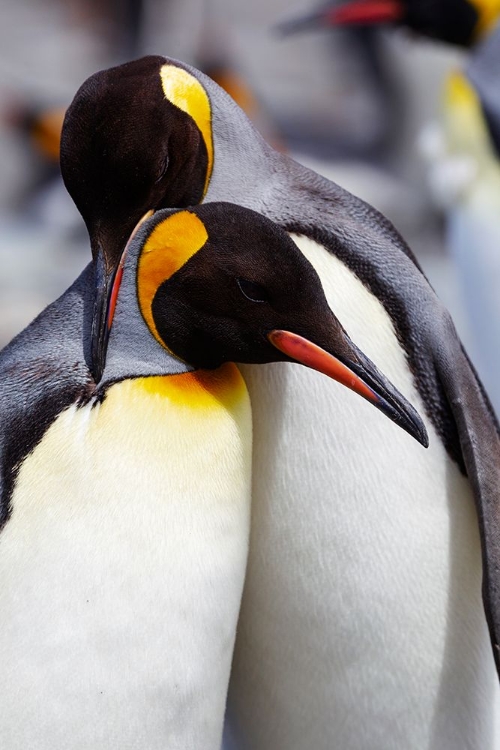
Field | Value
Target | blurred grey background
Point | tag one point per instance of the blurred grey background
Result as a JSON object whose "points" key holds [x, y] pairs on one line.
{"points": [[351, 105]]}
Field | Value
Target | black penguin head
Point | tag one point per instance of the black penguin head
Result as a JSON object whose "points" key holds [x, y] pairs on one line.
{"points": [[247, 279], [220, 283], [459, 22], [453, 21], [131, 143], [136, 138]]}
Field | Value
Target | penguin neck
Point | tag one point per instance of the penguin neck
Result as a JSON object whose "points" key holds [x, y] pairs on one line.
{"points": [[134, 353], [131, 360], [236, 141], [132, 350]]}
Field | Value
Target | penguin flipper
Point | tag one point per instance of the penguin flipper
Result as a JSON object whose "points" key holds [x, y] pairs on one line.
{"points": [[457, 404], [42, 371], [479, 437]]}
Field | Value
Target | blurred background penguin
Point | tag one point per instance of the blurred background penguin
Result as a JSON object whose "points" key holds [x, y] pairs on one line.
{"points": [[460, 147]]}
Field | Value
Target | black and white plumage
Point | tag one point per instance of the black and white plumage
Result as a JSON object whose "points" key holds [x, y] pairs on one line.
{"points": [[361, 622], [126, 502]]}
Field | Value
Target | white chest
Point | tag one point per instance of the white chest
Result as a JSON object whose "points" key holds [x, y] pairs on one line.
{"points": [[122, 568], [362, 624]]}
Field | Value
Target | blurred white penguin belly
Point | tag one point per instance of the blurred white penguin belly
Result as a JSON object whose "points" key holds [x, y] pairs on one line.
{"points": [[122, 566], [362, 624]]}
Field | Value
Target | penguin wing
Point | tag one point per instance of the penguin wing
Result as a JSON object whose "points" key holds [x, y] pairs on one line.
{"points": [[42, 371], [476, 422], [479, 437]]}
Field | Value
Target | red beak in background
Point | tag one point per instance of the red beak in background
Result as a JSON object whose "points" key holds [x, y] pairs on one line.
{"points": [[355, 13]]}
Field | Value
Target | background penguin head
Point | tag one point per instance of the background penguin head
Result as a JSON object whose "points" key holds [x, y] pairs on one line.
{"points": [[136, 138], [460, 22], [128, 147], [220, 283]]}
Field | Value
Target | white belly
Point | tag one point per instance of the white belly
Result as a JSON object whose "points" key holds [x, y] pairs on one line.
{"points": [[121, 571], [362, 626]]}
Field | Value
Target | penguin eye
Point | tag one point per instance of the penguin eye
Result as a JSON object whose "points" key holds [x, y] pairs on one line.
{"points": [[163, 170], [253, 291]]}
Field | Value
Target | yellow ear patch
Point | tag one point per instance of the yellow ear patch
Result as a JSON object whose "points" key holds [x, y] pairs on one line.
{"points": [[169, 246], [488, 12], [185, 92]]}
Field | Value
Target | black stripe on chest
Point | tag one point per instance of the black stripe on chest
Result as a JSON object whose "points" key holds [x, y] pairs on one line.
{"points": [[25, 425]]}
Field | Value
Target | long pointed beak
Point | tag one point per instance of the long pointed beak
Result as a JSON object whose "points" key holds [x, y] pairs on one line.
{"points": [[354, 13], [359, 374], [107, 281]]}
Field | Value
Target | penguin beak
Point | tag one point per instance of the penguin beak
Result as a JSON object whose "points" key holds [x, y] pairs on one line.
{"points": [[356, 372], [107, 281], [366, 13], [355, 13]]}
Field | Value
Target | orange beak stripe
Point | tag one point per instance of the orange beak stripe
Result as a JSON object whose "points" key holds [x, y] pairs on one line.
{"points": [[316, 358]]}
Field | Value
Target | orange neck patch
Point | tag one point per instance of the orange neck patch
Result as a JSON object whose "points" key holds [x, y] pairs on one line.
{"points": [[185, 92], [203, 389], [488, 12], [169, 246]]}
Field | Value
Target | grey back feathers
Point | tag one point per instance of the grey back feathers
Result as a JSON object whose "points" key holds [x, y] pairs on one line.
{"points": [[132, 350], [42, 371]]}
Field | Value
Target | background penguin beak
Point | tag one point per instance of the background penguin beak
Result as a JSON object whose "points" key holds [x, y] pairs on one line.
{"points": [[366, 13], [357, 373], [355, 13], [108, 277]]}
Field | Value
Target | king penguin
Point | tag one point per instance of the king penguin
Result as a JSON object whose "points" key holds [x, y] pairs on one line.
{"points": [[126, 503], [460, 22], [361, 623]]}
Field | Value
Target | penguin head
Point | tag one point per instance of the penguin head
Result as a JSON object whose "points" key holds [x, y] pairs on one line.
{"points": [[136, 138], [460, 22], [220, 283]]}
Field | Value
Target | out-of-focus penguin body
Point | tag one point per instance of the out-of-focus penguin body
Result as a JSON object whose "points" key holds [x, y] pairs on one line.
{"points": [[464, 175], [361, 623], [472, 128], [481, 71]]}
